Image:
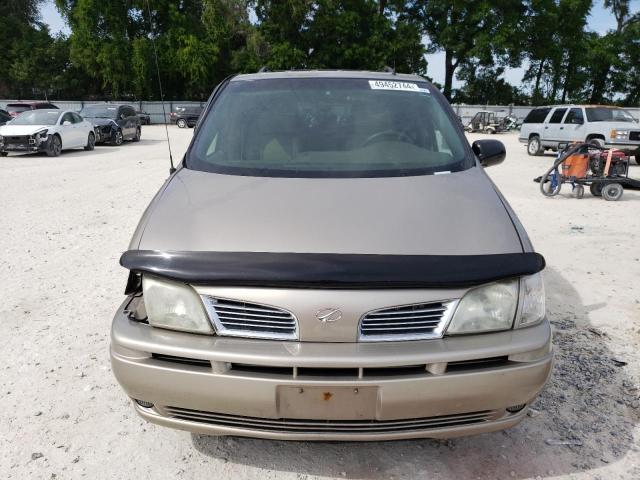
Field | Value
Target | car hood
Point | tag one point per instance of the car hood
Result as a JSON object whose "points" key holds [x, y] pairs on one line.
{"points": [[100, 121], [11, 130], [452, 214]]}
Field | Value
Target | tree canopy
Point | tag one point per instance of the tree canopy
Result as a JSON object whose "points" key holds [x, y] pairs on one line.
{"points": [[109, 52]]}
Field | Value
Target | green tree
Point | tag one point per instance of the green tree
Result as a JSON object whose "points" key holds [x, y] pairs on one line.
{"points": [[347, 34], [468, 29]]}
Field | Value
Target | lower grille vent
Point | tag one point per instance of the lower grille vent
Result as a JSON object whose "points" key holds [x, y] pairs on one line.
{"points": [[181, 360], [476, 364], [330, 426]]}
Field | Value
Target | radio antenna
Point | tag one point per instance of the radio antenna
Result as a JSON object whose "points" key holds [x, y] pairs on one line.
{"points": [[164, 112]]}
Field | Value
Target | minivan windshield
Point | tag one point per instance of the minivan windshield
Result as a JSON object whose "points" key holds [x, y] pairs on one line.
{"points": [[328, 127], [604, 114], [37, 117], [99, 111]]}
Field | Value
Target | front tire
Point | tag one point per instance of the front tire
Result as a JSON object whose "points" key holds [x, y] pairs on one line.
{"points": [[4, 154], [119, 138], [91, 142], [182, 123], [534, 147], [55, 147], [597, 142]]}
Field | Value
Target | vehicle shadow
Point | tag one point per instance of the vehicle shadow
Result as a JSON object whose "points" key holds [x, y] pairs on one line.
{"points": [[128, 143], [76, 152], [587, 403]]}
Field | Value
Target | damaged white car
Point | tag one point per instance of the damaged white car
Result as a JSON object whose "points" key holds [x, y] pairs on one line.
{"points": [[49, 131]]}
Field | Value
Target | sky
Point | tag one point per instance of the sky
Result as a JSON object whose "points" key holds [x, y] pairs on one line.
{"points": [[600, 21]]}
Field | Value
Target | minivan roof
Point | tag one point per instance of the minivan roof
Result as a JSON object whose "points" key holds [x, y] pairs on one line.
{"points": [[330, 74]]}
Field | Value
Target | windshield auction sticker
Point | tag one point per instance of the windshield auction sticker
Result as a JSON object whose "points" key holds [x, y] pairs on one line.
{"points": [[399, 86]]}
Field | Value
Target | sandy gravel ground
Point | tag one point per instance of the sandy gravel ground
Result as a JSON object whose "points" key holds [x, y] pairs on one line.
{"points": [[64, 223]]}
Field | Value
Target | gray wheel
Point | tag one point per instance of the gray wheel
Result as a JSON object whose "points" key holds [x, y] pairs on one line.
{"points": [[578, 191], [612, 192], [547, 188], [534, 147], [596, 189], [182, 123], [91, 142], [55, 146], [118, 138]]}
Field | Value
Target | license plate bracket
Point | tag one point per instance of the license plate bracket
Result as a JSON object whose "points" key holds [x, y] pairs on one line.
{"points": [[327, 403]]}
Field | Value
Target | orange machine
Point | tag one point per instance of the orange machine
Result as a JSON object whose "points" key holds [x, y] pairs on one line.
{"points": [[576, 165]]}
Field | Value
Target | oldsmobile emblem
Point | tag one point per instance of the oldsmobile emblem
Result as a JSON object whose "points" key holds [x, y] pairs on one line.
{"points": [[329, 315]]}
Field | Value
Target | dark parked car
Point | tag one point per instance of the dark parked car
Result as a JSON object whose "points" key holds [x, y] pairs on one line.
{"points": [[186, 116], [17, 108], [113, 123], [145, 118], [4, 117]]}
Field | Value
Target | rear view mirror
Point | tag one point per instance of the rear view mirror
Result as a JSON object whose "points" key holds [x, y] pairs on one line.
{"points": [[489, 152]]}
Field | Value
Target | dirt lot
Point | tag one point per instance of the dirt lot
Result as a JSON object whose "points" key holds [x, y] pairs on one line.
{"points": [[65, 222]]}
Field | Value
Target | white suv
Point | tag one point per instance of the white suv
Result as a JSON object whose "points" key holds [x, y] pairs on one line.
{"points": [[548, 127]]}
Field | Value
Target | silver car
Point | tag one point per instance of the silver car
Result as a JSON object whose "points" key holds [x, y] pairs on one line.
{"points": [[331, 262]]}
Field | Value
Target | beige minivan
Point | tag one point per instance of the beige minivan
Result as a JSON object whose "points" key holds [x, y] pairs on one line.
{"points": [[331, 262]]}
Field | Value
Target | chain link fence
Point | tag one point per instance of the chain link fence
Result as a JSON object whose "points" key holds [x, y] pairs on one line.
{"points": [[154, 109]]}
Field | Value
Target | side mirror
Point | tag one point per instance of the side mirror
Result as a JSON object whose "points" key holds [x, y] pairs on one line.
{"points": [[66, 123], [489, 152]]}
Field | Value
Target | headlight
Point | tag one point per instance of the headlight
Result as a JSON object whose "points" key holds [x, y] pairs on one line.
{"points": [[619, 134], [533, 302], [41, 135], [174, 305], [485, 309]]}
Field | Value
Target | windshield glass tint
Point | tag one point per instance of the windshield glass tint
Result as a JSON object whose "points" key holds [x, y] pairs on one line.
{"points": [[603, 114], [99, 112], [37, 117], [327, 127]]}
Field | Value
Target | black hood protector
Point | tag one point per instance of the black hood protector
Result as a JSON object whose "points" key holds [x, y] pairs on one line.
{"points": [[330, 270]]}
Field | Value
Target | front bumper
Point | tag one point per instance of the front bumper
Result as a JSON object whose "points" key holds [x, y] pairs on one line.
{"points": [[628, 146], [104, 133], [330, 391], [24, 144]]}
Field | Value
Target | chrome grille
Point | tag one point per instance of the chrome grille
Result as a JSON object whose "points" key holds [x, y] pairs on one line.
{"points": [[242, 319], [330, 426], [406, 322]]}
